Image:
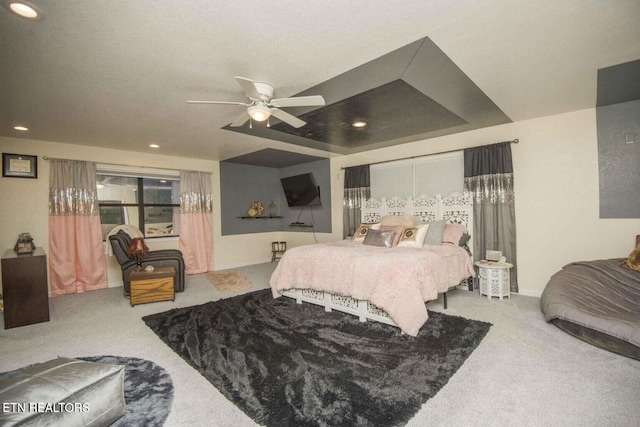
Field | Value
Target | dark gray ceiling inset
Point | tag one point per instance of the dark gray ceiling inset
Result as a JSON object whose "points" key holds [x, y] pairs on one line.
{"points": [[413, 93], [272, 158], [393, 110], [619, 83]]}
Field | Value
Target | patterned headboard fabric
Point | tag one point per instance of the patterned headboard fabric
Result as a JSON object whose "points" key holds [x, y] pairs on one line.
{"points": [[455, 208]]}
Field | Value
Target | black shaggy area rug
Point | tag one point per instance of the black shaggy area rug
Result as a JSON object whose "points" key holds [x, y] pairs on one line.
{"points": [[286, 364]]}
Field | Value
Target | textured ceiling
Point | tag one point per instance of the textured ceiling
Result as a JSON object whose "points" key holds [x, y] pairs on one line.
{"points": [[118, 74]]}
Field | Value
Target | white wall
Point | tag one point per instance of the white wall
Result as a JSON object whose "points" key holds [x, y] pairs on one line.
{"points": [[24, 206], [556, 187], [24, 202], [556, 191]]}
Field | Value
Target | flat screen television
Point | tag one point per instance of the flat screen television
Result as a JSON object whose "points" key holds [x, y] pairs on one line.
{"points": [[301, 190]]}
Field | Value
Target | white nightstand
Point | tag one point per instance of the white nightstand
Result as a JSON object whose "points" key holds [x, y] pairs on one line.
{"points": [[494, 279]]}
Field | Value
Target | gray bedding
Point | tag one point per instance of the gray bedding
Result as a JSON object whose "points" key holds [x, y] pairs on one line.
{"points": [[599, 295]]}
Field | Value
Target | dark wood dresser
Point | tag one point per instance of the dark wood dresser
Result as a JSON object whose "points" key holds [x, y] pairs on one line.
{"points": [[24, 288]]}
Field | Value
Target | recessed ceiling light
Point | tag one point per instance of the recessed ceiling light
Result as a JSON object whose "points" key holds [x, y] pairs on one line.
{"points": [[154, 146], [359, 124], [21, 128], [24, 9]]}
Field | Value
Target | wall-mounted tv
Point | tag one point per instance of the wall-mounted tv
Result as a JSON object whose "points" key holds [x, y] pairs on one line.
{"points": [[301, 190]]}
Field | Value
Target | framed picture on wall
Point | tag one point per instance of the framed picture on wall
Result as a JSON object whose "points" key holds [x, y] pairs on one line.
{"points": [[19, 166]]}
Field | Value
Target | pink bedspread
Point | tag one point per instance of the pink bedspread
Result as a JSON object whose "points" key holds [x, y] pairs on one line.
{"points": [[398, 280]]}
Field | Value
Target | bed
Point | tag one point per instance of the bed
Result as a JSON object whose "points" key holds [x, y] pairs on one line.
{"points": [[385, 283], [598, 302]]}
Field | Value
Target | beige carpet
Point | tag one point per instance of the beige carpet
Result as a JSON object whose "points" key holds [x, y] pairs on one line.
{"points": [[525, 373], [229, 281]]}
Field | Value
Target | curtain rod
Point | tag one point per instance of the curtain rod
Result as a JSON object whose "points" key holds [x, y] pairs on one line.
{"points": [[514, 141], [123, 165]]}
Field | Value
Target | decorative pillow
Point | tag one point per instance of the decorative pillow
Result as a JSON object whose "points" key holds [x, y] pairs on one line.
{"points": [[361, 232], [397, 228], [413, 237], [383, 238], [452, 233], [404, 220], [633, 261], [464, 239], [435, 232]]}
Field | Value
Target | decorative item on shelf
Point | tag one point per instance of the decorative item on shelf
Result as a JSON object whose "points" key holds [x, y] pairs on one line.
{"points": [[25, 244], [273, 209], [137, 249], [149, 268], [256, 209]]}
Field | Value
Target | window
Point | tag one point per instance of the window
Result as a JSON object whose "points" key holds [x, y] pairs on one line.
{"points": [[151, 203], [434, 174]]}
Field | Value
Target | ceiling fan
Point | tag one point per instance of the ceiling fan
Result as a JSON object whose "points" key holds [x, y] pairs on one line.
{"points": [[262, 106]]}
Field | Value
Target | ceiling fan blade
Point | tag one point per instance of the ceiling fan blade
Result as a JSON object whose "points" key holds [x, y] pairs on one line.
{"points": [[242, 119], [299, 101], [249, 87], [218, 102], [287, 118]]}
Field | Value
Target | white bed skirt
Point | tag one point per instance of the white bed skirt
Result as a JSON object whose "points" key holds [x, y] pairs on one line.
{"points": [[365, 310], [361, 308]]}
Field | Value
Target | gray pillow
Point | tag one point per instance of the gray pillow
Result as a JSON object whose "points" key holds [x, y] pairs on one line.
{"points": [[434, 233], [383, 238], [464, 239]]}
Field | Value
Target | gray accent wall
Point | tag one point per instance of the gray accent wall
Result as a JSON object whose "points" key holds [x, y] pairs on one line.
{"points": [[619, 161], [242, 184]]}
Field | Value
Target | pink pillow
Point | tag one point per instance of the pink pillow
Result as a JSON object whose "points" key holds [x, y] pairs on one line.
{"points": [[398, 229], [452, 233]]}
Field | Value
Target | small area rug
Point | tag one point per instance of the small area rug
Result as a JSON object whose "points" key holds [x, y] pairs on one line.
{"points": [[228, 281], [148, 390], [286, 364]]}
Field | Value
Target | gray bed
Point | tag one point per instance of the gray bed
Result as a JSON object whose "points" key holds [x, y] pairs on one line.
{"points": [[598, 302]]}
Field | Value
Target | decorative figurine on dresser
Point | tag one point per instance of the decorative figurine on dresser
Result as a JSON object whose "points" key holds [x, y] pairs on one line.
{"points": [[24, 284], [25, 244]]}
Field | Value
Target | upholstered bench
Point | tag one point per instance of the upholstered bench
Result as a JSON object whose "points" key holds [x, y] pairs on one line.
{"points": [[64, 392]]}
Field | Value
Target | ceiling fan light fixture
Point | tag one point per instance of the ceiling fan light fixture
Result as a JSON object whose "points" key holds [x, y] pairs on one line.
{"points": [[259, 113]]}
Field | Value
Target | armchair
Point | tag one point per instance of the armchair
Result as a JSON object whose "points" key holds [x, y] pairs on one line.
{"points": [[161, 258]]}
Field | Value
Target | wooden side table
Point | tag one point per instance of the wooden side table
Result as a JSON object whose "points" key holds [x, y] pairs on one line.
{"points": [[154, 286], [494, 279]]}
